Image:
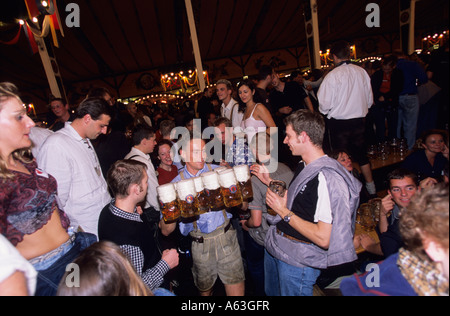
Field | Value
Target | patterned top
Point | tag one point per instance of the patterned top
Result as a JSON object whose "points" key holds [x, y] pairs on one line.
{"points": [[27, 203]]}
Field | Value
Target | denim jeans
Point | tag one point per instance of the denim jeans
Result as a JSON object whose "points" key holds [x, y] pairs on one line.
{"points": [[52, 270], [282, 279], [408, 115]]}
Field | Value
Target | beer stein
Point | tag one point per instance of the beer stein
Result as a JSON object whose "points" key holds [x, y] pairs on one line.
{"points": [[202, 199], [243, 177], [375, 205], [366, 217], [186, 195], [169, 203], [213, 191], [220, 169], [278, 187], [232, 195]]}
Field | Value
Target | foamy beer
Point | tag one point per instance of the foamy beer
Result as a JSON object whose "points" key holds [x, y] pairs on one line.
{"points": [[213, 191], [232, 195], [186, 197], [169, 203], [201, 199], [242, 173], [220, 169]]}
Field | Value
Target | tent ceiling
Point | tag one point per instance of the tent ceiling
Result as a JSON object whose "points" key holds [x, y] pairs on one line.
{"points": [[118, 37]]}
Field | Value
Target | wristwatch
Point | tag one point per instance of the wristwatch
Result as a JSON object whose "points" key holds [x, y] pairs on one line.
{"points": [[287, 218]]}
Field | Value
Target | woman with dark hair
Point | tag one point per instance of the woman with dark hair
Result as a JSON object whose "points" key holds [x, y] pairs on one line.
{"points": [[431, 159], [166, 171], [257, 117]]}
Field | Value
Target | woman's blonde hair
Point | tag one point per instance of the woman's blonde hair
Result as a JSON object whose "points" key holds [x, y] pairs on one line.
{"points": [[104, 271], [426, 217], [7, 91]]}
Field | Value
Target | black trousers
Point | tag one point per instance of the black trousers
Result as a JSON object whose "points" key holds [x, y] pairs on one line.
{"points": [[348, 135]]}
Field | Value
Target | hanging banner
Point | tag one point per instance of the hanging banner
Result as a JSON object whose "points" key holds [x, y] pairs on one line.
{"points": [[32, 8], [15, 39], [31, 40]]}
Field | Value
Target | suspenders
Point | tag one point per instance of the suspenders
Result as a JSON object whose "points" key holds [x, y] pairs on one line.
{"points": [[183, 177]]}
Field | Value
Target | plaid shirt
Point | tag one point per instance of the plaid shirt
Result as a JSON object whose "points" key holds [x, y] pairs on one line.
{"points": [[153, 277]]}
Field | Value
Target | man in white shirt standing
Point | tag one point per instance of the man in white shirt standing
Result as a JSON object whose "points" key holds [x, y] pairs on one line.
{"points": [[69, 156], [345, 97], [230, 107], [144, 142]]}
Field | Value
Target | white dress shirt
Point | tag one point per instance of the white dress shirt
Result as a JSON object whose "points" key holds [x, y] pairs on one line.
{"points": [[152, 199], [345, 93], [227, 109], [82, 190]]}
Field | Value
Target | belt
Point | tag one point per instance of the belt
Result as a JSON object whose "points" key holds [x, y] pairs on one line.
{"points": [[201, 239], [279, 232], [54, 252]]}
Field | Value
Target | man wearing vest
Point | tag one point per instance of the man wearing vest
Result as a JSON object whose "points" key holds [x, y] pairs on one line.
{"points": [[316, 217], [215, 248], [122, 223]]}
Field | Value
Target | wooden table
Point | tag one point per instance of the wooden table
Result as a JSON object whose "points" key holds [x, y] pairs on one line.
{"points": [[392, 159], [360, 231]]}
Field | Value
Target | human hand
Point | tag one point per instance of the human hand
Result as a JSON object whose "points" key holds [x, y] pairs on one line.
{"points": [[366, 241], [387, 205], [285, 110], [428, 183], [171, 257], [276, 202], [357, 241], [262, 173]]}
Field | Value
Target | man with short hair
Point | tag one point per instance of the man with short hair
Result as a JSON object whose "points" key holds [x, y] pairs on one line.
{"points": [[122, 223], [316, 217], [236, 150], [264, 81], [215, 248], [68, 155], [63, 115], [230, 107], [345, 97], [144, 142], [402, 188]]}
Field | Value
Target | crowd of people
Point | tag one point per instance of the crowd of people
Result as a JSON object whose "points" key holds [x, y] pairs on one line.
{"points": [[81, 196]]}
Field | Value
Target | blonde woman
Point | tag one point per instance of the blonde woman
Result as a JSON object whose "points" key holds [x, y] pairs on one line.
{"points": [[29, 214], [105, 271]]}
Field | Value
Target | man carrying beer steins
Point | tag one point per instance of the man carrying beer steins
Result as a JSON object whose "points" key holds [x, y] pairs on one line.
{"points": [[215, 248]]}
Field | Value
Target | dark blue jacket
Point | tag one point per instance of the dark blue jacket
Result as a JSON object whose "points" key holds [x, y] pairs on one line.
{"points": [[391, 281]]}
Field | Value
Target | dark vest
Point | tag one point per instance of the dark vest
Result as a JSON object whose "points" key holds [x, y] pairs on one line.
{"points": [[125, 232]]}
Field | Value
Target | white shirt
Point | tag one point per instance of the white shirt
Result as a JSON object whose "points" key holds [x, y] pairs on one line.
{"points": [[82, 190], [345, 93], [38, 135], [11, 261], [237, 116], [152, 199]]}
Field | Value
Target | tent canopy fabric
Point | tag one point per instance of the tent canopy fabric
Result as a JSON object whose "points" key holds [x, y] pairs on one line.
{"points": [[118, 37]]}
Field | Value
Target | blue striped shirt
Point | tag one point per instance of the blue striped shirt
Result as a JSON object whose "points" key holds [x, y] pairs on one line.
{"points": [[208, 222]]}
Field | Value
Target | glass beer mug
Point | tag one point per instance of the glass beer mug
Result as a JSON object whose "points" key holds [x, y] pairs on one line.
{"points": [[232, 195], [186, 195], [278, 187], [242, 173], [169, 203], [201, 199], [366, 217], [213, 191]]}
